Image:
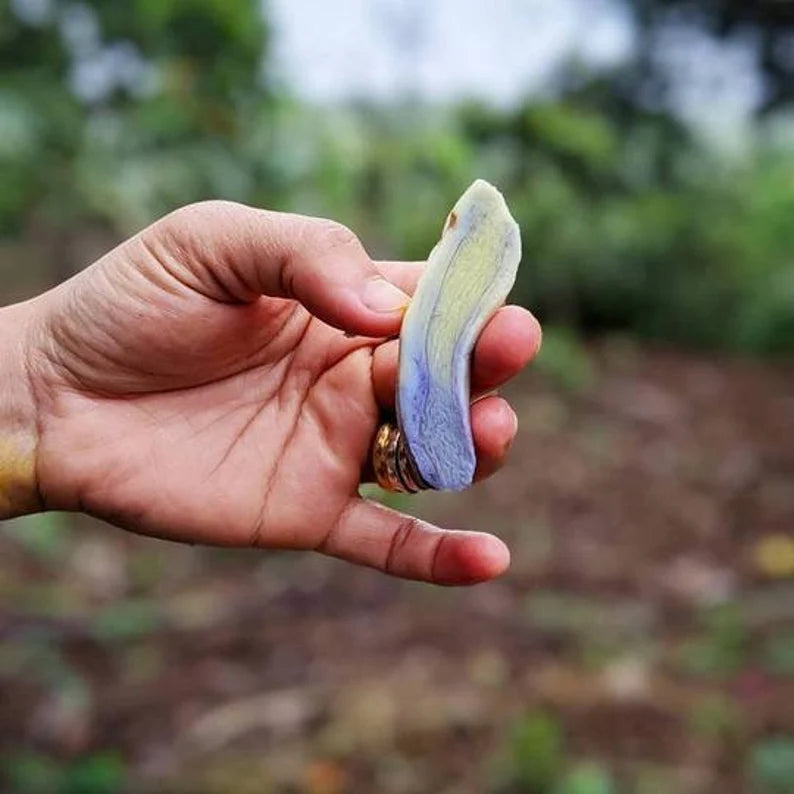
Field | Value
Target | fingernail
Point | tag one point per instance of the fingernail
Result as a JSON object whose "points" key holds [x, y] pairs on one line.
{"points": [[382, 296], [513, 422]]}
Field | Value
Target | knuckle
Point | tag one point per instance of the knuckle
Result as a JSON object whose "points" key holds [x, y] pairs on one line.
{"points": [[199, 216], [333, 235], [196, 221], [405, 530], [196, 242], [211, 209]]}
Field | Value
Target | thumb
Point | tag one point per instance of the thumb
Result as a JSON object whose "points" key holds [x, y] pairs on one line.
{"points": [[232, 252]]}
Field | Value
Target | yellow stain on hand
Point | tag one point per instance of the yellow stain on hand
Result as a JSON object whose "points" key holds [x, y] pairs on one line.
{"points": [[18, 491]]}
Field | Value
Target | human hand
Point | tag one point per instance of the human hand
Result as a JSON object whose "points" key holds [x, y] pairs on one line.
{"points": [[218, 378]]}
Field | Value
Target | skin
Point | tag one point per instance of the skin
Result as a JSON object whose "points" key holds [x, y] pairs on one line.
{"points": [[218, 379], [17, 420]]}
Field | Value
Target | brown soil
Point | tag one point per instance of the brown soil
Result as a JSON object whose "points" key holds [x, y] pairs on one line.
{"points": [[648, 518]]}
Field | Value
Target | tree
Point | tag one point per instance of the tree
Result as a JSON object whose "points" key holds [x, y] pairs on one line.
{"points": [[771, 20], [119, 111]]}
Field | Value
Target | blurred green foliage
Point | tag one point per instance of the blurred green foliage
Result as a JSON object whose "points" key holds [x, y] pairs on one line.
{"points": [[772, 765], [32, 773], [127, 620], [563, 360], [120, 113], [534, 755], [44, 535], [771, 22], [535, 761], [722, 644], [777, 654], [586, 778], [111, 115], [715, 716]]}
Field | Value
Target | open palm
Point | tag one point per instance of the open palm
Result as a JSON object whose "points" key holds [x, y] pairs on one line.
{"points": [[219, 377]]}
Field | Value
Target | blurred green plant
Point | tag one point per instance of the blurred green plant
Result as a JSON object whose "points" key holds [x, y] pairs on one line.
{"points": [[397, 501], [563, 360], [35, 773], [44, 535], [586, 778], [771, 765], [534, 756], [127, 620], [651, 778], [722, 648], [715, 716], [777, 653]]}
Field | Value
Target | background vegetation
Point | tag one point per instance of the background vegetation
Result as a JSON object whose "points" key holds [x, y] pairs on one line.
{"points": [[111, 115]]}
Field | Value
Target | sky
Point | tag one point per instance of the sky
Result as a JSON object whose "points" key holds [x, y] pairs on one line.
{"points": [[498, 51], [440, 49]]}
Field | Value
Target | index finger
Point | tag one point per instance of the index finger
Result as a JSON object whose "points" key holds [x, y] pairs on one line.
{"points": [[404, 275]]}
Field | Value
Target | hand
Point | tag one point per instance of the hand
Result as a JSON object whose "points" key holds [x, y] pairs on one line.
{"points": [[218, 379]]}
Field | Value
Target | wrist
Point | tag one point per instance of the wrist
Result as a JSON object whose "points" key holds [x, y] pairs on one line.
{"points": [[19, 493]]}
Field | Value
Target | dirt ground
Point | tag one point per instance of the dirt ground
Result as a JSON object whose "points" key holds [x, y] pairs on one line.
{"points": [[643, 640]]}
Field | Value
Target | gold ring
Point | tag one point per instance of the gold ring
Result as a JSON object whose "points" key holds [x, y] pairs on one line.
{"points": [[392, 463]]}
